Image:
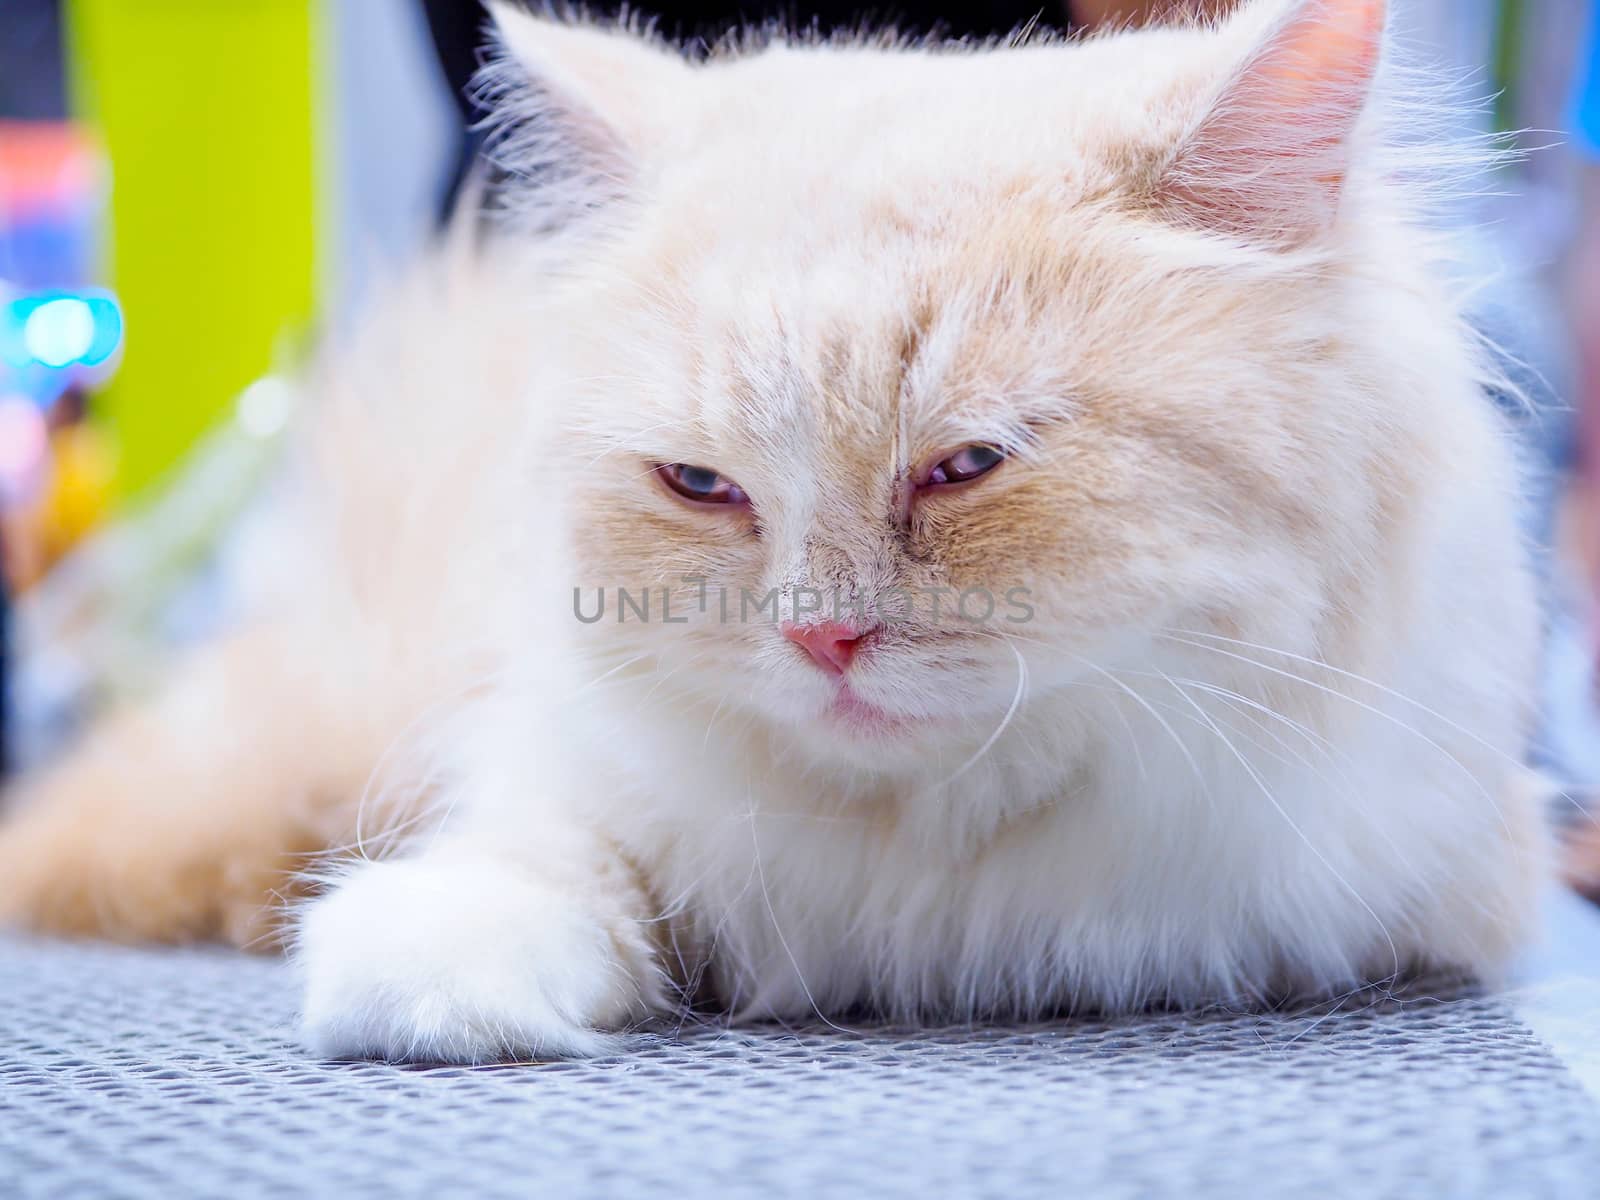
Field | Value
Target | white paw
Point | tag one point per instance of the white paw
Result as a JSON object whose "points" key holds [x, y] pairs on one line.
{"points": [[461, 961]]}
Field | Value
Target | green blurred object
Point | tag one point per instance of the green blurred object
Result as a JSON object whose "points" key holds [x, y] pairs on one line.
{"points": [[1507, 66], [205, 110]]}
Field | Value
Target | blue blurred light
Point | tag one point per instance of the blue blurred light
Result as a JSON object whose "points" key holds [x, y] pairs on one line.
{"points": [[107, 329], [58, 330], [12, 352]]}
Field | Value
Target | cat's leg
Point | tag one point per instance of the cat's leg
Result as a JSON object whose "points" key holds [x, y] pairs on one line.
{"points": [[472, 952], [189, 817]]}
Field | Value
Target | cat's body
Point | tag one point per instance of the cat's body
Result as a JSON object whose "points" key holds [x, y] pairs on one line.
{"points": [[1248, 715]]}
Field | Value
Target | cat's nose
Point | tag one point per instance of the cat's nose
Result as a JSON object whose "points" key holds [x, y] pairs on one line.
{"points": [[831, 644]]}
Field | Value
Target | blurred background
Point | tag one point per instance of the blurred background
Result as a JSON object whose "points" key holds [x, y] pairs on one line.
{"points": [[191, 190]]}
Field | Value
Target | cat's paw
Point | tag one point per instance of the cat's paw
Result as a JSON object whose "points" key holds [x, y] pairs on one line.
{"points": [[462, 961]]}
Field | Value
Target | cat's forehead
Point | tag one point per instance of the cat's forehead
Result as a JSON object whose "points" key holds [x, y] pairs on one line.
{"points": [[914, 259], [868, 358], [855, 117]]}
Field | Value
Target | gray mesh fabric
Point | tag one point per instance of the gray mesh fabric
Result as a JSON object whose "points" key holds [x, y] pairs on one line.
{"points": [[153, 1073]]}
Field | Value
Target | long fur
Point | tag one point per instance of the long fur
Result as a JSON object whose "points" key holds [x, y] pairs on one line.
{"points": [[1262, 735]]}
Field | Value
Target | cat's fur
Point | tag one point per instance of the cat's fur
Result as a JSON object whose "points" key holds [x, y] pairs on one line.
{"points": [[1178, 275]]}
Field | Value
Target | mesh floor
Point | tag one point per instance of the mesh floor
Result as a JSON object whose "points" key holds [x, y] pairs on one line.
{"points": [[154, 1073]]}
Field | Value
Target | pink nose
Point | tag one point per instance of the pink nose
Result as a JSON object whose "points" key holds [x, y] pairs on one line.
{"points": [[832, 644]]}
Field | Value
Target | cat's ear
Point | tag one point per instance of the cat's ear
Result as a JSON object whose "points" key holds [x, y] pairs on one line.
{"points": [[598, 96], [1268, 158]]}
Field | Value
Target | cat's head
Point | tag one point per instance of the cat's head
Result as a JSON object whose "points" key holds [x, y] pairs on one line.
{"points": [[927, 379]]}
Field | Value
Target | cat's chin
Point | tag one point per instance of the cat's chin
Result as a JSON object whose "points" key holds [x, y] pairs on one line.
{"points": [[854, 716]]}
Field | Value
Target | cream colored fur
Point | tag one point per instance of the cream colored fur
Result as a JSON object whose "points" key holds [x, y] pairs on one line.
{"points": [[1262, 735]]}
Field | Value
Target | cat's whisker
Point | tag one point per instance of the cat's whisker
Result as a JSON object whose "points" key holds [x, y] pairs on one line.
{"points": [[1317, 741], [1261, 784], [601, 678], [1179, 635], [1005, 721], [1050, 649], [1247, 709], [1133, 738], [705, 742], [1305, 731], [1346, 786], [777, 928], [1375, 711], [1562, 794], [726, 915], [1183, 747]]}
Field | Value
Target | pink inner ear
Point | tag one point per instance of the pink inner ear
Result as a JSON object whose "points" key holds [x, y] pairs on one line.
{"points": [[1269, 160]]}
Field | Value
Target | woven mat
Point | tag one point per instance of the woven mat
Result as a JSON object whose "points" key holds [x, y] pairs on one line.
{"points": [[148, 1073]]}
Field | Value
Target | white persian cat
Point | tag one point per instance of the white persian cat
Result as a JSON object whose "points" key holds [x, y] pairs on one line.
{"points": [[1070, 563]]}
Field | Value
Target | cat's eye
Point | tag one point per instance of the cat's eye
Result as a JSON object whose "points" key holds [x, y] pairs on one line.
{"points": [[965, 464], [700, 484]]}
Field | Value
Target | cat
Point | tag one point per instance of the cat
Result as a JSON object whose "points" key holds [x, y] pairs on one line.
{"points": [[952, 532]]}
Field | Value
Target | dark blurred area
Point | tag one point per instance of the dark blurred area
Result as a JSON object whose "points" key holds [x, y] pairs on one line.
{"points": [[32, 65]]}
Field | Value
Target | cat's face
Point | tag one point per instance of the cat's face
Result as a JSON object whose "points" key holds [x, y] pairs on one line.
{"points": [[912, 413]]}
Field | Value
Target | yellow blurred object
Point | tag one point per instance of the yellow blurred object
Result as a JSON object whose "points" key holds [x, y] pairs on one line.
{"points": [[79, 492], [205, 108], [73, 502]]}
